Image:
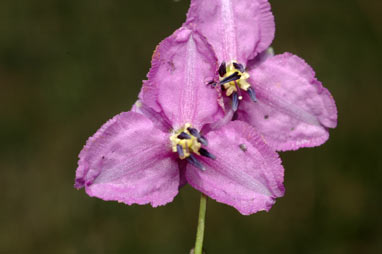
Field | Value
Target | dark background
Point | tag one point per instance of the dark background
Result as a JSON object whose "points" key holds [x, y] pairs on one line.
{"points": [[67, 66]]}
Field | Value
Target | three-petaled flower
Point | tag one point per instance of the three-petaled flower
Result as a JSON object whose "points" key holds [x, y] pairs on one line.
{"points": [[278, 95], [167, 139]]}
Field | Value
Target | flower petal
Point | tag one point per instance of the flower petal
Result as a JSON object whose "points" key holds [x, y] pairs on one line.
{"points": [[158, 118], [246, 174], [182, 65], [293, 110], [129, 160], [149, 93], [237, 29]]}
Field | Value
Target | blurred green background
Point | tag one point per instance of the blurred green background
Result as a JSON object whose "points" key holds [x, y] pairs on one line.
{"points": [[67, 66]]}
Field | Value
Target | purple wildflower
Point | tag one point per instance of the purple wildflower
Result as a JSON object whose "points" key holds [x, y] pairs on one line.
{"points": [[144, 155], [279, 95]]}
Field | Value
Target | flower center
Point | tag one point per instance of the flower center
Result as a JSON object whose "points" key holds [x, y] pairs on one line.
{"points": [[233, 78], [184, 143], [187, 141]]}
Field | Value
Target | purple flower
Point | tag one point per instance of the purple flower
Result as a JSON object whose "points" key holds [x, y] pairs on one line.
{"points": [[279, 95], [145, 155]]}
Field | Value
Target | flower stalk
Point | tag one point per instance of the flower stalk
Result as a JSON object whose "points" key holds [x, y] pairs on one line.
{"points": [[201, 224]]}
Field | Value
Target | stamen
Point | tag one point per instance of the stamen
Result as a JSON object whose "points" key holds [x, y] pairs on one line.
{"points": [[207, 154], [203, 140], [230, 78], [252, 94], [238, 66], [194, 132], [222, 69], [179, 149], [184, 135], [235, 101], [238, 91], [191, 159]]}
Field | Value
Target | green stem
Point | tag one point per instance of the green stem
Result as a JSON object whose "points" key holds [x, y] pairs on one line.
{"points": [[201, 222]]}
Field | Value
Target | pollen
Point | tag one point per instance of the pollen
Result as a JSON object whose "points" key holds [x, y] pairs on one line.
{"points": [[186, 141], [233, 77]]}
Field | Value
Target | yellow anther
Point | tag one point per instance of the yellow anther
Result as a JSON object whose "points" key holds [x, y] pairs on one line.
{"points": [[188, 145], [241, 83]]}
